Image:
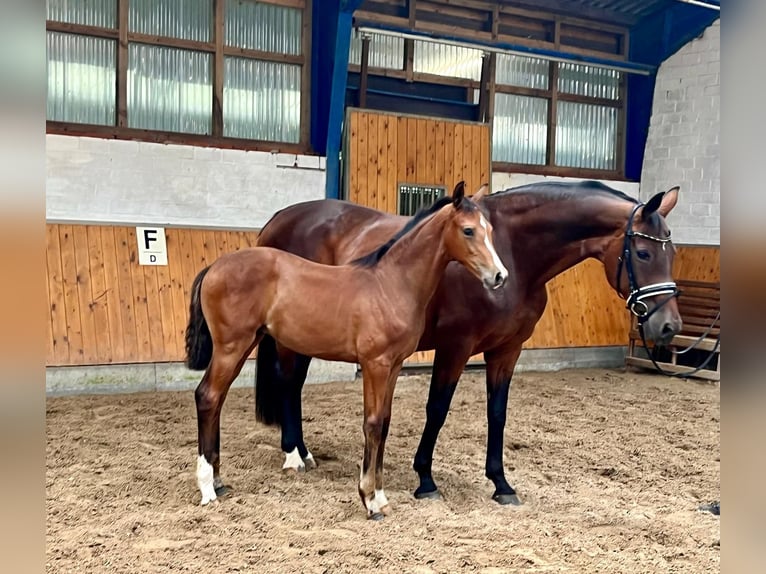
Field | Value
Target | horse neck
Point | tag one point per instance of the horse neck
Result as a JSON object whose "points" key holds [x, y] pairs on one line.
{"points": [[548, 235], [417, 261]]}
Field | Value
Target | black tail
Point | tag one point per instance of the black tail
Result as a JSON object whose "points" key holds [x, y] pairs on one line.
{"points": [[199, 344], [268, 388]]}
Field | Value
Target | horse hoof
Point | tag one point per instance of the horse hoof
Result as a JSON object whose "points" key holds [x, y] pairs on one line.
{"points": [[222, 490], [376, 516], [310, 463], [505, 499], [293, 469], [430, 495]]}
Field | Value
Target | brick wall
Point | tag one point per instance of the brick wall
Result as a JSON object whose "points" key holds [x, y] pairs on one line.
{"points": [[683, 141], [114, 181]]}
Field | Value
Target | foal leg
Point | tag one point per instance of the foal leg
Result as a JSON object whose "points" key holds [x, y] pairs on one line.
{"points": [[380, 494], [209, 397], [448, 366], [376, 412], [297, 456], [499, 372]]}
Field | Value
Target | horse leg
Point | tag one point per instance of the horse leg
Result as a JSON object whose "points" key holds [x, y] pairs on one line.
{"points": [[297, 456], [377, 410], [499, 372], [447, 368], [380, 494], [224, 367]]}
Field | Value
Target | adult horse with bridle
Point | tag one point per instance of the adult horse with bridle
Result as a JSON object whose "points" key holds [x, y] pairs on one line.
{"points": [[370, 310], [541, 230]]}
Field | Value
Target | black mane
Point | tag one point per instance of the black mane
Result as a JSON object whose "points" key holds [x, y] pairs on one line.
{"points": [[573, 187], [371, 259]]}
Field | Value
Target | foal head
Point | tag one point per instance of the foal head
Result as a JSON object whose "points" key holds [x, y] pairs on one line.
{"points": [[639, 265], [468, 238]]}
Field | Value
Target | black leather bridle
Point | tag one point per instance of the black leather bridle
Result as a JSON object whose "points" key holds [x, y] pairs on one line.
{"points": [[637, 295], [635, 300]]}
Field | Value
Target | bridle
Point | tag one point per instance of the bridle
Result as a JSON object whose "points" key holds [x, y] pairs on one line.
{"points": [[635, 300]]}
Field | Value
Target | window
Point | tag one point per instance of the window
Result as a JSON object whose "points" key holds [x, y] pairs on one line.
{"points": [[562, 118], [587, 106], [414, 197], [174, 74]]}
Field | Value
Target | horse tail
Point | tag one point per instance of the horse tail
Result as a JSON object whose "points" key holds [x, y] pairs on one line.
{"points": [[268, 390], [199, 343]]}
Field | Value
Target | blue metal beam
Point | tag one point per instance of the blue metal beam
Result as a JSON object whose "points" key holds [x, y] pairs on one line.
{"points": [[624, 65], [338, 96]]}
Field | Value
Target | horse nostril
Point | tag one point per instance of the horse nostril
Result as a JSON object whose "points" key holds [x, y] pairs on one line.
{"points": [[499, 278], [667, 329]]}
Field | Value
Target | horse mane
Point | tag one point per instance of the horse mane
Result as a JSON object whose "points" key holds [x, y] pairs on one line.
{"points": [[372, 258], [568, 187]]}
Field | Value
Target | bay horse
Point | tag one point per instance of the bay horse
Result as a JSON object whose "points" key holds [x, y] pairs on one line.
{"points": [[540, 230], [370, 310]]}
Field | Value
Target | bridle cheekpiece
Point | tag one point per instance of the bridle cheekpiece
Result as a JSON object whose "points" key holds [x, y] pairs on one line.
{"points": [[635, 300]]}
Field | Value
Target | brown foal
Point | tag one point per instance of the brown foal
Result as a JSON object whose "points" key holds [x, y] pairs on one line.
{"points": [[370, 311]]}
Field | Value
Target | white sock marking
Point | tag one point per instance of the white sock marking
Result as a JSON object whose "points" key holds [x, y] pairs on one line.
{"points": [[205, 480], [378, 502], [495, 258], [293, 460]]}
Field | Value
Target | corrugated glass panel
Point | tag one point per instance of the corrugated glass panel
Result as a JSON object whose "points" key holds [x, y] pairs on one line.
{"points": [[589, 81], [522, 71], [519, 131], [267, 27], [188, 19], [446, 60], [586, 136], [261, 100], [385, 51], [81, 79], [102, 13], [169, 89]]}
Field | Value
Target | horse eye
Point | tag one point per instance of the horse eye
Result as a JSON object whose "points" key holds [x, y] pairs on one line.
{"points": [[468, 231], [643, 255]]}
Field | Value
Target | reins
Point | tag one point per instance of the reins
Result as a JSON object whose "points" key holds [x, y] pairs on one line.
{"points": [[635, 300]]}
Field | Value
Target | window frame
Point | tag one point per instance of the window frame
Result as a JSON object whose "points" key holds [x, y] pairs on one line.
{"points": [[494, 17], [218, 49]]}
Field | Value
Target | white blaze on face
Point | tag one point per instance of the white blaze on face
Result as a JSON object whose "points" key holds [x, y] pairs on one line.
{"points": [[495, 259], [205, 480]]}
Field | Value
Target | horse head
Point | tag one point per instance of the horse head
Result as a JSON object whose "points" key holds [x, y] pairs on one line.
{"points": [[468, 238], [639, 266]]}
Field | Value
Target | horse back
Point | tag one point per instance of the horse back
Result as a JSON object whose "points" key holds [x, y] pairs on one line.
{"points": [[329, 231]]}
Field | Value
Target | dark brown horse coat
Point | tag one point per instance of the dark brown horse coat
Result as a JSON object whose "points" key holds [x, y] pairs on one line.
{"points": [[540, 230]]}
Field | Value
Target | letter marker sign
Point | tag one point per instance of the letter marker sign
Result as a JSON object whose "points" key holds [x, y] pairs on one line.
{"points": [[152, 249]]}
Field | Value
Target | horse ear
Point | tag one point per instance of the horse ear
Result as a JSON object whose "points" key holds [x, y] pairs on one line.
{"points": [[669, 201], [458, 194], [483, 190], [661, 202]]}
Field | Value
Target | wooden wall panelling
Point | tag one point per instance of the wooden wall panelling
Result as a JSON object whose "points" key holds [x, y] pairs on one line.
{"points": [[105, 308]]}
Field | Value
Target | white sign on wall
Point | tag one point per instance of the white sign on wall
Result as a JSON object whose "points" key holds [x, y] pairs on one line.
{"points": [[152, 249]]}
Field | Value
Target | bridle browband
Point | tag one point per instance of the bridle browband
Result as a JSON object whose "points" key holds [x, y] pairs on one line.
{"points": [[635, 300]]}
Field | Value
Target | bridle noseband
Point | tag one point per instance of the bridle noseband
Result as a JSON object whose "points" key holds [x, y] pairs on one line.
{"points": [[635, 301]]}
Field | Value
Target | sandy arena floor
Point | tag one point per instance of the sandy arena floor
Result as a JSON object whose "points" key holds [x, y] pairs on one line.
{"points": [[612, 467]]}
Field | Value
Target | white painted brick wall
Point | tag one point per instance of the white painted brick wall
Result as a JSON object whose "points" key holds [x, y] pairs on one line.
{"points": [[682, 147], [127, 182]]}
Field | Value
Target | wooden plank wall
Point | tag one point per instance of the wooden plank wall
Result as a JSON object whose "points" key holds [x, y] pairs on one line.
{"points": [[105, 308], [385, 150]]}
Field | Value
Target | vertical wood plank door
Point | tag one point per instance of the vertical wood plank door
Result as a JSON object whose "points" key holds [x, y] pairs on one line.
{"points": [[385, 150]]}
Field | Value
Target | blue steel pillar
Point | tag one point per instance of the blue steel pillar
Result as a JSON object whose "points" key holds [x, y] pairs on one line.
{"points": [[338, 96]]}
